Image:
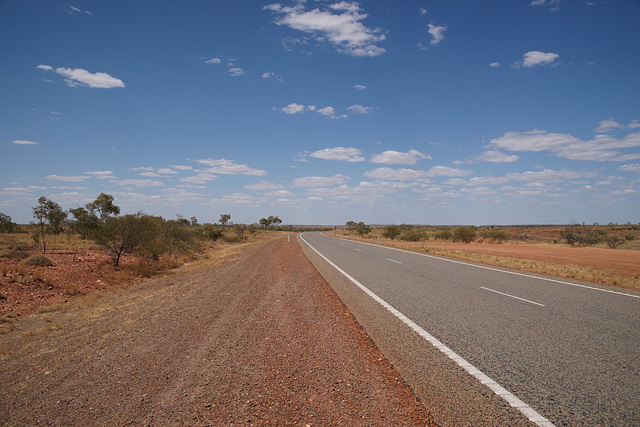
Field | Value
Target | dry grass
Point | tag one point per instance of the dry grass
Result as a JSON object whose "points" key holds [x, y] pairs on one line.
{"points": [[568, 271]]}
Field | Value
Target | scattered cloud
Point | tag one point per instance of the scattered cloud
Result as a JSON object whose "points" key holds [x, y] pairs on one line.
{"points": [[601, 148], [235, 71], [72, 10], [320, 181], [293, 108], [630, 168], [137, 182], [551, 4], [264, 186], [437, 33], [213, 61], [347, 154], [635, 124], [327, 111], [423, 11], [608, 125], [491, 156], [229, 167], [359, 109], [67, 178], [359, 87], [338, 23], [100, 174], [23, 142], [389, 174], [494, 65], [536, 58], [80, 77], [391, 157]]}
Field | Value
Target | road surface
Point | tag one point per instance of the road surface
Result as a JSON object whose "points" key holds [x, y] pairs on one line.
{"points": [[563, 352]]}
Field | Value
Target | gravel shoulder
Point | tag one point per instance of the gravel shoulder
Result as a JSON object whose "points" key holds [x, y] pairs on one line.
{"points": [[260, 340]]}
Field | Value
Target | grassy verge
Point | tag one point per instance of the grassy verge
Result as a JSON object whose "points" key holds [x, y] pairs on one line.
{"points": [[569, 271]]}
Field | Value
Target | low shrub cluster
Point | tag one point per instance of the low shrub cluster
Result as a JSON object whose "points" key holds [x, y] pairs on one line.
{"points": [[39, 260]]}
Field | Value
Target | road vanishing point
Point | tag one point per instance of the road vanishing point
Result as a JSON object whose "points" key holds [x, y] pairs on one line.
{"points": [[479, 344]]}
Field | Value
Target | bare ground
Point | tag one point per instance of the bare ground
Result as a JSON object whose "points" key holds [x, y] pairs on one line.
{"points": [[261, 340]]}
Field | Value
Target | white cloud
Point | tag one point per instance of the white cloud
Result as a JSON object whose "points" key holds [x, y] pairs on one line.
{"points": [[182, 167], [635, 124], [235, 71], [213, 61], [229, 167], [630, 168], [199, 178], [608, 125], [601, 148], [320, 181], [359, 109], [268, 75], [100, 174], [494, 65], [327, 111], [343, 29], [436, 32], [264, 186], [293, 108], [23, 142], [391, 157], [347, 154], [536, 58], [423, 11], [67, 178], [491, 156], [389, 174], [552, 4], [81, 77], [550, 175], [137, 182], [359, 87]]}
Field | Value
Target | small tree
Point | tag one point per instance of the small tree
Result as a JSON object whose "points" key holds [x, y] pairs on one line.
{"points": [[239, 230], [85, 222], [224, 219], [103, 207], [362, 229], [49, 220], [6, 225], [274, 220], [351, 225], [122, 234], [613, 240]]}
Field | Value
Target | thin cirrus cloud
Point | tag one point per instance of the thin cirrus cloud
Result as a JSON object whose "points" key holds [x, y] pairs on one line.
{"points": [[339, 23], [80, 77], [23, 142]]}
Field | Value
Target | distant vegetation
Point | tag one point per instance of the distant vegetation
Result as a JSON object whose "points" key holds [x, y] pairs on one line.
{"points": [[147, 236], [611, 235]]}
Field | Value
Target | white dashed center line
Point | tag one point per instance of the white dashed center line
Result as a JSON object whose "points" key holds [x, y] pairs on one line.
{"points": [[393, 260], [512, 296]]}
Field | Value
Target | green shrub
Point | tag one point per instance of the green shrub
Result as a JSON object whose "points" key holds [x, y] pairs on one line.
{"points": [[39, 260], [391, 232], [445, 234], [465, 234], [415, 235]]}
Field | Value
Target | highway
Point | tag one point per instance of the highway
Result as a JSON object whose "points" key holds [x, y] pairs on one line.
{"points": [[555, 351]]}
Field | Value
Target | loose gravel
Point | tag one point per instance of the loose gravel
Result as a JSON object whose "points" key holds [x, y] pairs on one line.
{"points": [[261, 340]]}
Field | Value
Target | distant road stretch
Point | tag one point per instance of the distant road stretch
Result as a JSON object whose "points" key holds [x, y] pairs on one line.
{"points": [[561, 352]]}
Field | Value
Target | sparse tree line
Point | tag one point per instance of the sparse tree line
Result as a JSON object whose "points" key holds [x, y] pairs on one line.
{"points": [[574, 235], [139, 233]]}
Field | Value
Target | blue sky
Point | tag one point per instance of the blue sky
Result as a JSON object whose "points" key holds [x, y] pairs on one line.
{"points": [[321, 112]]}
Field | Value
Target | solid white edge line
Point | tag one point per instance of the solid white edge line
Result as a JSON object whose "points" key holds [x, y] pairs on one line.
{"points": [[512, 296], [442, 258], [511, 399]]}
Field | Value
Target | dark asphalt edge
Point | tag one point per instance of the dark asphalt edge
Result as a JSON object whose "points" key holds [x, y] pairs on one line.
{"points": [[448, 392]]}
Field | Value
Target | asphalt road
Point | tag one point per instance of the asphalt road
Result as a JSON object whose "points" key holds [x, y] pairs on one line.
{"points": [[566, 351]]}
